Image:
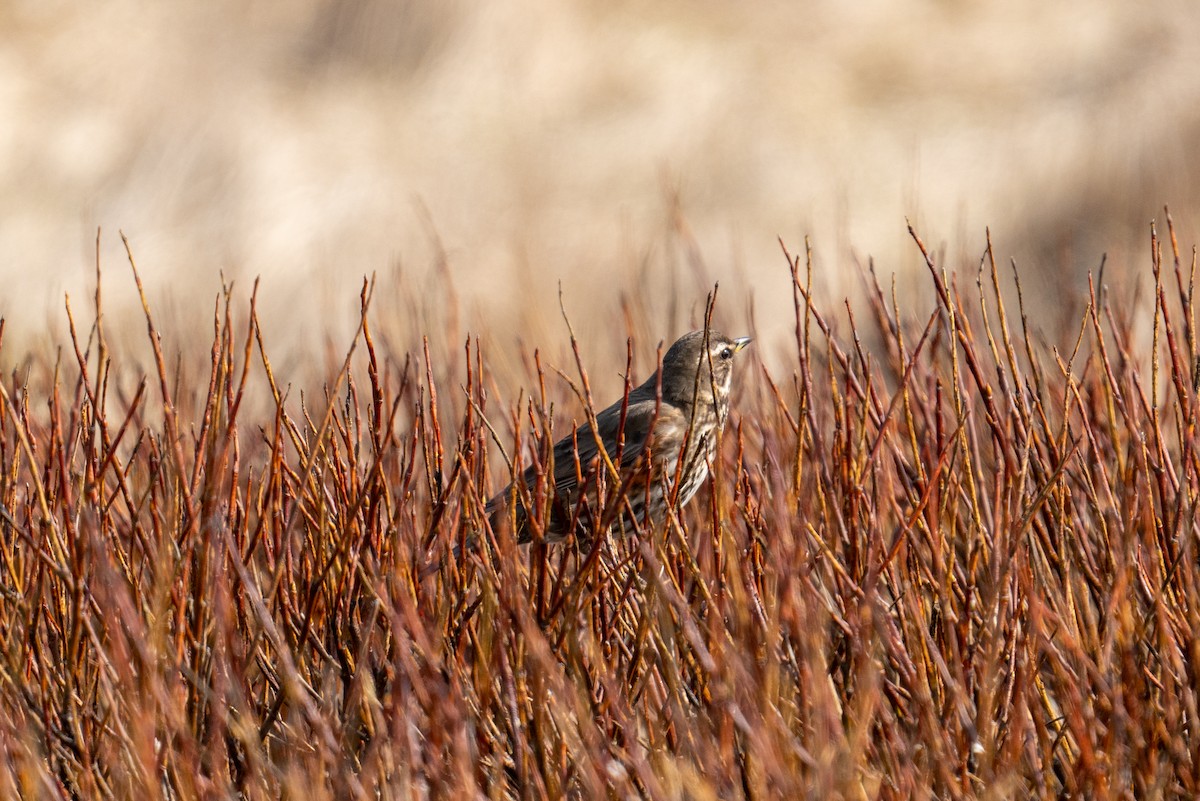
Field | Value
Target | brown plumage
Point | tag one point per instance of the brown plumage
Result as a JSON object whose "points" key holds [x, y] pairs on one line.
{"points": [[658, 436]]}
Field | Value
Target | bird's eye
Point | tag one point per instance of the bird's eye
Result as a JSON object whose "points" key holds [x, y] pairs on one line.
{"points": [[726, 353]]}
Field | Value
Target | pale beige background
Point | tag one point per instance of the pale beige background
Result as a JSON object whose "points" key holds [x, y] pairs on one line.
{"points": [[532, 142]]}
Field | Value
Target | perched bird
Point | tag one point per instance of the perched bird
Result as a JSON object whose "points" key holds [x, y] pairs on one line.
{"points": [[660, 441]]}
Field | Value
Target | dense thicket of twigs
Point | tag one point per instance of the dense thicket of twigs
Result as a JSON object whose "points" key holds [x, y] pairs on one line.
{"points": [[960, 563]]}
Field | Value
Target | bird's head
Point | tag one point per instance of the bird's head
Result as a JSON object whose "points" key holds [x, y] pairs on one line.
{"points": [[700, 365]]}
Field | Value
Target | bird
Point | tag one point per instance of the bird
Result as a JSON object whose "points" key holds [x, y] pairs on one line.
{"points": [[659, 440]]}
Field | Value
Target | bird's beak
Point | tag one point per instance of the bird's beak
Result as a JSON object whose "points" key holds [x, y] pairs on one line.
{"points": [[741, 342]]}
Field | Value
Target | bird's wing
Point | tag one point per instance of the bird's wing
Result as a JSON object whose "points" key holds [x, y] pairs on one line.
{"points": [[639, 417]]}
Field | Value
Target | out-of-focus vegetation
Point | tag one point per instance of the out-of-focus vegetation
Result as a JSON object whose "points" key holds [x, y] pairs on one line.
{"points": [[524, 143]]}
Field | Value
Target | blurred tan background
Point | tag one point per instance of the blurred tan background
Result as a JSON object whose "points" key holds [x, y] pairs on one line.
{"points": [[603, 144]]}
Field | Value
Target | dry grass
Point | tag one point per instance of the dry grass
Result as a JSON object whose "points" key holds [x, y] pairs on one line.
{"points": [[959, 564]]}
